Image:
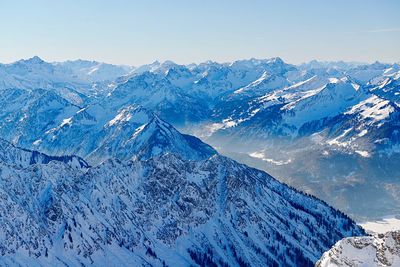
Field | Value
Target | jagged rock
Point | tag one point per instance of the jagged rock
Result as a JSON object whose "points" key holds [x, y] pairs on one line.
{"points": [[376, 250]]}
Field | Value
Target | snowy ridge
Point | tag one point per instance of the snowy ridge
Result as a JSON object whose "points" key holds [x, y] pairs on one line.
{"points": [[377, 250], [18, 157], [36, 73], [134, 132], [160, 211]]}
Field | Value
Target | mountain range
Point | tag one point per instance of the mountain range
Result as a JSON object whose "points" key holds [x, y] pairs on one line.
{"points": [[183, 205], [343, 117], [106, 165]]}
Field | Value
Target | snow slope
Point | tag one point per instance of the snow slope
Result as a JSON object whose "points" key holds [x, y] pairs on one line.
{"points": [[160, 211]]}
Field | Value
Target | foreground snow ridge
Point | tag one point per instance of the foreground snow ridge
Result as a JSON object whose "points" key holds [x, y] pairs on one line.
{"points": [[368, 251]]}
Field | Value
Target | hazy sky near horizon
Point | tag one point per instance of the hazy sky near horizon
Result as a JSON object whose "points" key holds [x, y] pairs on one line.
{"points": [[136, 32]]}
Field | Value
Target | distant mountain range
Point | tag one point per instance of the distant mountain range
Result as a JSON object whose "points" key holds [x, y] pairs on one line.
{"points": [[327, 128]]}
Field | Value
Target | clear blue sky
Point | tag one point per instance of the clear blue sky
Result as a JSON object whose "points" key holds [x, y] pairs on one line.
{"points": [[136, 32]]}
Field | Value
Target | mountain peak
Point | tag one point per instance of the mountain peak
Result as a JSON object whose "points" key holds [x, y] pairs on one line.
{"points": [[145, 135], [129, 132], [276, 60], [168, 63], [34, 60]]}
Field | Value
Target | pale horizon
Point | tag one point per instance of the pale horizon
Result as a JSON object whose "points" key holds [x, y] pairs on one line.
{"points": [[204, 61]]}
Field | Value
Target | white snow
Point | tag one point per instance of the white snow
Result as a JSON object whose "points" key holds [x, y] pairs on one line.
{"points": [[363, 153], [37, 142], [138, 130], [261, 155], [121, 117], [382, 226], [363, 132], [333, 80], [67, 121], [336, 141], [375, 109]]}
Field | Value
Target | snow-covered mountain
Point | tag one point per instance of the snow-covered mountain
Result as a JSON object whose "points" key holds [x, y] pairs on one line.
{"points": [[161, 211], [187, 94], [367, 72], [295, 106], [116, 184], [377, 250], [89, 78], [387, 86], [26, 113], [157, 93], [264, 112], [93, 71], [97, 133], [329, 114]]}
